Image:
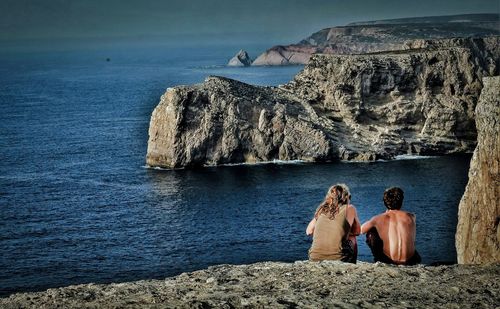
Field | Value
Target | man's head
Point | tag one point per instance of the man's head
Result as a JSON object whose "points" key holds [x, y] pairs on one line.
{"points": [[393, 198]]}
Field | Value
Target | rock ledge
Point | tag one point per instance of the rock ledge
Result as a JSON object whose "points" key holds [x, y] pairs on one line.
{"points": [[286, 285]]}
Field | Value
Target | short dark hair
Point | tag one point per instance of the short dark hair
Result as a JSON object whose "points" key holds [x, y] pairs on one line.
{"points": [[393, 198]]}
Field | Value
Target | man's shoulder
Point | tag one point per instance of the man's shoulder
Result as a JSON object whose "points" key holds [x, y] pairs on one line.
{"points": [[405, 213], [381, 217], [405, 216], [399, 214]]}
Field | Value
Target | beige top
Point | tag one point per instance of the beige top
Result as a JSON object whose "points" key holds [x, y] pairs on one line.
{"points": [[328, 236]]}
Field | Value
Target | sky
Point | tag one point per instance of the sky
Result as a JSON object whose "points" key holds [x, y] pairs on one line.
{"points": [[265, 20]]}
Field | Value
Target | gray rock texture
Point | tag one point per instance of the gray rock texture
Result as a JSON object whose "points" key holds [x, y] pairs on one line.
{"points": [[384, 35], [349, 107], [226, 121], [241, 59], [478, 230], [282, 285]]}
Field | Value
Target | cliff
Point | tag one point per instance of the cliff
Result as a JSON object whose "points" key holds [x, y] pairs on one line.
{"points": [[384, 35], [283, 285], [347, 107], [226, 121], [478, 230]]}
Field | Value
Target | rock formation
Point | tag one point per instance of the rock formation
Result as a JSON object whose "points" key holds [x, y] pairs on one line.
{"points": [[478, 230], [384, 35], [286, 55], [241, 59], [349, 107], [283, 285], [226, 121]]}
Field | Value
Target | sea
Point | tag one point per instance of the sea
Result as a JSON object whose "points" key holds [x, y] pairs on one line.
{"points": [[79, 205]]}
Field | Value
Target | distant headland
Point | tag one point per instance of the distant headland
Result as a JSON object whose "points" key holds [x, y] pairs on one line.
{"points": [[380, 35]]}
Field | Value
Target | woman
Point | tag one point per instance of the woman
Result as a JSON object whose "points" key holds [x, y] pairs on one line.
{"points": [[334, 227]]}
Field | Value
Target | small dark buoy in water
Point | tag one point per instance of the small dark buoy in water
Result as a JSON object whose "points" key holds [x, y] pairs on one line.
{"points": [[108, 59]]}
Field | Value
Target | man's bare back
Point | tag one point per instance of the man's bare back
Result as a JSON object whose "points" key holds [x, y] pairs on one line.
{"points": [[391, 235], [397, 230]]}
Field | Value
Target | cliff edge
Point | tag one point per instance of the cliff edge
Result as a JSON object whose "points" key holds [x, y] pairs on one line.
{"points": [[478, 230]]}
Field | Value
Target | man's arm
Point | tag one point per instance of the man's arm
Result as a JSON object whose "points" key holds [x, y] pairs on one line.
{"points": [[310, 227], [368, 225]]}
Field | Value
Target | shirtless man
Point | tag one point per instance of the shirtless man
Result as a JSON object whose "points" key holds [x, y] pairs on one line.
{"points": [[391, 235]]}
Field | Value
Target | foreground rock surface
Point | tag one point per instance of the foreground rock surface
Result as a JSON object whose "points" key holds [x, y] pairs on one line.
{"points": [[478, 230], [382, 35], [283, 285], [348, 107]]}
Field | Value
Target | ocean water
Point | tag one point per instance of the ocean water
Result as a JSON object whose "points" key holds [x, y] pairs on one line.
{"points": [[77, 204]]}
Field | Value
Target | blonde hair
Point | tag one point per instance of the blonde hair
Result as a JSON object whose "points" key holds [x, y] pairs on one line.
{"points": [[337, 196]]}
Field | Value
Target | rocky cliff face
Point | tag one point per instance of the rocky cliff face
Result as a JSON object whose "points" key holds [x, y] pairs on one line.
{"points": [[416, 101], [478, 231], [377, 36], [226, 121], [348, 107]]}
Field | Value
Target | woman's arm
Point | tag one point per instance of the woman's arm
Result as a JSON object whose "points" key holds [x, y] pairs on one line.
{"points": [[355, 225], [310, 227]]}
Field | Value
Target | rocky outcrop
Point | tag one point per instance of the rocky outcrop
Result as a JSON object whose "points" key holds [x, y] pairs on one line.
{"points": [[241, 59], [347, 107], [417, 101], [478, 230], [286, 55], [377, 36], [284, 285], [226, 121]]}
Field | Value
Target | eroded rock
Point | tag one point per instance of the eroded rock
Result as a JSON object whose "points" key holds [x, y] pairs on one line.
{"points": [[226, 121], [340, 107], [478, 230]]}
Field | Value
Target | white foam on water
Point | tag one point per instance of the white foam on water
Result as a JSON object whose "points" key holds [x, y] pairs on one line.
{"points": [[412, 157], [278, 162], [295, 162], [161, 168]]}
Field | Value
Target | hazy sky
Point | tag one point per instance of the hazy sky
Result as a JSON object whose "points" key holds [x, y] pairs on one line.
{"points": [[284, 21]]}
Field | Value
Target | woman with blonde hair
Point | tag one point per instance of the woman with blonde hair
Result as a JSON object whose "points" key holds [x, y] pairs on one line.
{"points": [[334, 227]]}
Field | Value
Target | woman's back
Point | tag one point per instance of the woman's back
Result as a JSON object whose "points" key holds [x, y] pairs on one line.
{"points": [[329, 234]]}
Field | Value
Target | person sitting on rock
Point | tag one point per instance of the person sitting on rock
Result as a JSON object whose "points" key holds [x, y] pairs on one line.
{"points": [[391, 235], [334, 227]]}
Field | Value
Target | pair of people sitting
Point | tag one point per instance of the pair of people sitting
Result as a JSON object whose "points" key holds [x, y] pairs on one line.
{"points": [[390, 235]]}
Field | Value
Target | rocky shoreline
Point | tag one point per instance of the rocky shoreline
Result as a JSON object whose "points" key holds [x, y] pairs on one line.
{"points": [[287, 285]]}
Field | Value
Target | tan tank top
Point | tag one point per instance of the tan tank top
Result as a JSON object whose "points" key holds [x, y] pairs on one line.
{"points": [[328, 236]]}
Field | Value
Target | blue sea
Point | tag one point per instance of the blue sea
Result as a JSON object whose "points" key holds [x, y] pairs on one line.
{"points": [[78, 205]]}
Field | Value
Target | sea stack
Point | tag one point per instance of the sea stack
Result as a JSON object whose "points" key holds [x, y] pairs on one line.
{"points": [[241, 59], [478, 231]]}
